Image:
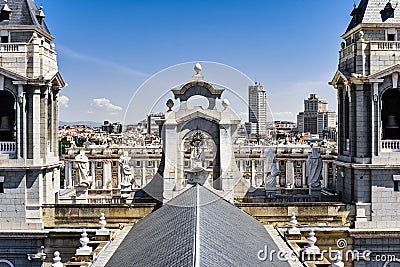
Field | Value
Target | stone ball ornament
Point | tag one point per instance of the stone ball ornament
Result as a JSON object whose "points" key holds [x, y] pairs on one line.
{"points": [[198, 68], [170, 104]]}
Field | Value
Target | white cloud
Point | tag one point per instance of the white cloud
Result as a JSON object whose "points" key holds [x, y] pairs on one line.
{"points": [[104, 103], [63, 100]]}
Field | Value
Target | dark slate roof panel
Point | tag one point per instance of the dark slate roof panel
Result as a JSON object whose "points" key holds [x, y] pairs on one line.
{"points": [[163, 238], [229, 236], [224, 235], [370, 12], [23, 13]]}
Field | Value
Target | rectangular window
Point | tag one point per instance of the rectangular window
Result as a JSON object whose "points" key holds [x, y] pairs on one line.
{"points": [[150, 164], [99, 164], [390, 37], [114, 164], [1, 184], [4, 39], [396, 186], [137, 163]]}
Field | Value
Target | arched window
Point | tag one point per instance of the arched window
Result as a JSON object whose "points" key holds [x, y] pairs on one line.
{"points": [[390, 115], [6, 263], [7, 117]]}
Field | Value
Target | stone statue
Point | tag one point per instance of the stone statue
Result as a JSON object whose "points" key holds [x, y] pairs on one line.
{"points": [[126, 169], [198, 156], [314, 169], [270, 169], [81, 165]]}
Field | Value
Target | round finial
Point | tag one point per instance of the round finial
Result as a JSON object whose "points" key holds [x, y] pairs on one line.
{"points": [[225, 103], [84, 240], [338, 260], [293, 220], [311, 238], [53, 46], [57, 260], [102, 221], [170, 104], [197, 68]]}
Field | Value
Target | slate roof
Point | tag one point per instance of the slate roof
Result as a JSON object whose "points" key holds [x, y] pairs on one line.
{"points": [[197, 225], [23, 13], [369, 11]]}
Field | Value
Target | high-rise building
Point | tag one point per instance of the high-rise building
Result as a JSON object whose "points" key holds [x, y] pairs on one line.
{"points": [[29, 90], [258, 111], [316, 118]]}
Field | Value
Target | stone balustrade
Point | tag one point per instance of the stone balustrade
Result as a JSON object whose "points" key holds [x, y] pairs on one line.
{"points": [[8, 147], [348, 51], [384, 45], [390, 145], [13, 47]]}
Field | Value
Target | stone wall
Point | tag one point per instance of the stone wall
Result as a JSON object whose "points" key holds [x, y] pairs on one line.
{"points": [[315, 214], [87, 215]]}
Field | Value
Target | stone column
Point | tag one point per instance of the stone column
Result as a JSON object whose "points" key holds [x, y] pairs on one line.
{"points": [[304, 178], [93, 173], [253, 173], [35, 137], [107, 174], [290, 173]]}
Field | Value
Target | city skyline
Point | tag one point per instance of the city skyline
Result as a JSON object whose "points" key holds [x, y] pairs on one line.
{"points": [[104, 74]]}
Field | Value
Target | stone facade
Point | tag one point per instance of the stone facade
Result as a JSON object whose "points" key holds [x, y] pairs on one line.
{"points": [[29, 163]]}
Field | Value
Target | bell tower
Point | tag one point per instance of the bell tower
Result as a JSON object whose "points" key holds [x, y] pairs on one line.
{"points": [[367, 83], [29, 89]]}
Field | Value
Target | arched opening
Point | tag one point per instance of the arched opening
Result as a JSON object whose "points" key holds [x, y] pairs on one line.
{"points": [[7, 117], [6, 263], [198, 101], [390, 115]]}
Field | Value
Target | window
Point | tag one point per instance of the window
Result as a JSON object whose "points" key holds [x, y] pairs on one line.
{"points": [[4, 39], [390, 37], [396, 186], [1, 184], [186, 163], [98, 164], [150, 163], [114, 163], [137, 163]]}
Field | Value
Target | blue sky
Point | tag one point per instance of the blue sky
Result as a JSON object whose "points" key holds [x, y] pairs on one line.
{"points": [[107, 49]]}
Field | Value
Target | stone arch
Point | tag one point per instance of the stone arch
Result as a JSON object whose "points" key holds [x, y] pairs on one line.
{"points": [[390, 114], [212, 129], [7, 116], [10, 264]]}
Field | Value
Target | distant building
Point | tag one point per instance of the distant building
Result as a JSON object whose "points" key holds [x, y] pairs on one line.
{"points": [[110, 128], [316, 118], [258, 118], [152, 127]]}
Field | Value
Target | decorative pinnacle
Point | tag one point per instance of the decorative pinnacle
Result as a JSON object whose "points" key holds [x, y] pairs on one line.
{"points": [[197, 68], [293, 220]]}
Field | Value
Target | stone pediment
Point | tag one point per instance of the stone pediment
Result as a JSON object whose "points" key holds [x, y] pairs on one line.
{"points": [[198, 112], [339, 77], [386, 72]]}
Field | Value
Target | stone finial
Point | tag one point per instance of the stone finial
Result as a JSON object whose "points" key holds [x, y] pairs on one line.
{"points": [[170, 104], [84, 249], [103, 231], [6, 8], [225, 103], [197, 68], [293, 222], [53, 46], [102, 221], [41, 13], [337, 262], [84, 240], [57, 260], [311, 248]]}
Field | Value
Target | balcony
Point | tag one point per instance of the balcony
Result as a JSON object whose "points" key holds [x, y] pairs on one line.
{"points": [[390, 145], [9, 148], [384, 46]]}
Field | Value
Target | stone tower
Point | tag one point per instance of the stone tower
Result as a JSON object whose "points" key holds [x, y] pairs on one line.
{"points": [[367, 83], [29, 88]]}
